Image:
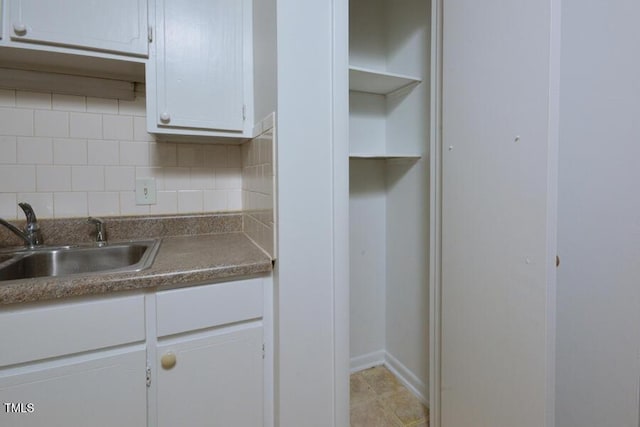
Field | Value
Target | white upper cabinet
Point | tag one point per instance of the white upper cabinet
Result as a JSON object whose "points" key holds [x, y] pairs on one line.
{"points": [[200, 78], [112, 26]]}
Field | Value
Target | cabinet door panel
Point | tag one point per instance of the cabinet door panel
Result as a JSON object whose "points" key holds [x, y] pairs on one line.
{"points": [[95, 390], [114, 25], [200, 64], [217, 380]]}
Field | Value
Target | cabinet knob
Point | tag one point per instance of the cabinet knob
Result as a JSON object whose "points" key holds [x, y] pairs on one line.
{"points": [[165, 117], [19, 28], [168, 360]]}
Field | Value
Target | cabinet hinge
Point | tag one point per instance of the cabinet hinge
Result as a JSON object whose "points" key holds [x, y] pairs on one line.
{"points": [[150, 33], [263, 350], [148, 376], [244, 112]]}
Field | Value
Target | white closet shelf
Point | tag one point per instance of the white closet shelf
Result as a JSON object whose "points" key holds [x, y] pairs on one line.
{"points": [[378, 82], [383, 156]]}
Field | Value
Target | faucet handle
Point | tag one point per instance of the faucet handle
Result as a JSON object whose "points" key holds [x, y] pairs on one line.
{"points": [[28, 212], [101, 238]]}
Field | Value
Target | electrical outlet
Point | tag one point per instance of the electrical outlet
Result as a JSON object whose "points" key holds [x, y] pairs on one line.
{"points": [[145, 191]]}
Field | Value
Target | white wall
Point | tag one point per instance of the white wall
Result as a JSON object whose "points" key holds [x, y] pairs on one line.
{"points": [[264, 58], [407, 276], [368, 259], [598, 335], [312, 275]]}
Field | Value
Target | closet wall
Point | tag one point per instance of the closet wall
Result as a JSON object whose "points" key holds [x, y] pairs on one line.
{"points": [[389, 133]]}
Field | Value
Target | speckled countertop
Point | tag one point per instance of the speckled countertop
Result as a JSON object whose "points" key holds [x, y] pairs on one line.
{"points": [[181, 260]]}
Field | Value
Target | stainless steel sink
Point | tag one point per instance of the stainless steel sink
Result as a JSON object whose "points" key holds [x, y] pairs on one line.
{"points": [[64, 261]]}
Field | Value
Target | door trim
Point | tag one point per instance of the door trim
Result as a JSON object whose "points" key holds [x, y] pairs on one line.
{"points": [[435, 212]]}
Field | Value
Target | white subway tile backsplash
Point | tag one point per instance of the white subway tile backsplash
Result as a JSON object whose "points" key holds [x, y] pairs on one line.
{"points": [[202, 179], [176, 179], [117, 127], [42, 203], [216, 156], [17, 178], [234, 156], [38, 100], [105, 203], [8, 149], [16, 122], [163, 154], [152, 172], [234, 200], [75, 155], [102, 105], [190, 201], [51, 123], [69, 103], [69, 151], [134, 153], [137, 107], [128, 204], [8, 206], [228, 178], [166, 203], [101, 152], [53, 178], [87, 178], [215, 201], [7, 98], [34, 150], [70, 204], [258, 186], [191, 155], [85, 125], [120, 178], [140, 130]]}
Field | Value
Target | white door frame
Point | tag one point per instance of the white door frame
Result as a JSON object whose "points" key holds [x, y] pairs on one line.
{"points": [[435, 210]]}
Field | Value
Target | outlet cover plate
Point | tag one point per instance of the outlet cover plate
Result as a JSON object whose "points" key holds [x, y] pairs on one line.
{"points": [[145, 191]]}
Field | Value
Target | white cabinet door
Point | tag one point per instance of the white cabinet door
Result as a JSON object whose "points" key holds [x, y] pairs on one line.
{"points": [[199, 65], [217, 379], [102, 389], [113, 25], [500, 98]]}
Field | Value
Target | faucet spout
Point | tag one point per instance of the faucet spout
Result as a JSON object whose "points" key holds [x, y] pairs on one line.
{"points": [[31, 235]]}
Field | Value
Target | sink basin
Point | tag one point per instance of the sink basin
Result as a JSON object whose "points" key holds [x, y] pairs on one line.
{"points": [[64, 261]]}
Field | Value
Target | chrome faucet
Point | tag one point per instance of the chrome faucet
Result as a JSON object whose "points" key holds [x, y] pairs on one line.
{"points": [[101, 235], [31, 235]]}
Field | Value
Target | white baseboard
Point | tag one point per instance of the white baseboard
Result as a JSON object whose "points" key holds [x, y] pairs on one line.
{"points": [[404, 375], [366, 361], [407, 378]]}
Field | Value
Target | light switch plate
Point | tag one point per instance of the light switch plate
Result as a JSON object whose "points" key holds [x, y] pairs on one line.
{"points": [[145, 191]]}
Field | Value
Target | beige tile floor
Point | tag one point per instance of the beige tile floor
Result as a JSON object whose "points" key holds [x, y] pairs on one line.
{"points": [[378, 399]]}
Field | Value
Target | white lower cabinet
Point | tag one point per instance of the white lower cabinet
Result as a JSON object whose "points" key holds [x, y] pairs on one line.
{"points": [[74, 363], [104, 389], [192, 356], [212, 379], [209, 358]]}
